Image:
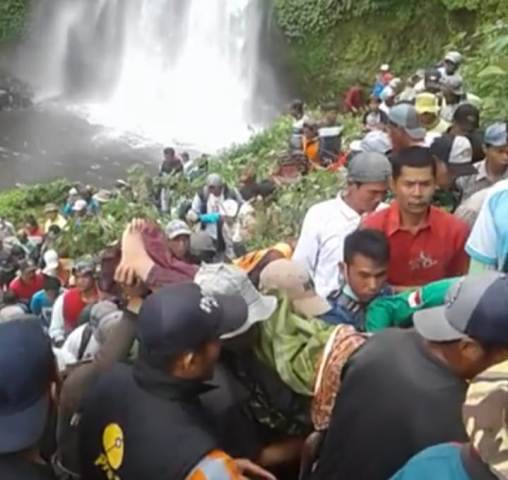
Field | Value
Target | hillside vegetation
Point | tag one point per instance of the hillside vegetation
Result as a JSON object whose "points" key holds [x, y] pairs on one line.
{"points": [[336, 42]]}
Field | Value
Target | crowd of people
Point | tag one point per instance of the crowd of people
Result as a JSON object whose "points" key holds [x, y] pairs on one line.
{"points": [[372, 348]]}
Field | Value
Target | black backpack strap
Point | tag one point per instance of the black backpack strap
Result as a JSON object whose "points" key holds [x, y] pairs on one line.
{"points": [[85, 340], [203, 196], [340, 298]]}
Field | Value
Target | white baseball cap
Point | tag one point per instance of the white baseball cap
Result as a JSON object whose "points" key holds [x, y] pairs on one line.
{"points": [[175, 228], [222, 279], [79, 205], [51, 261]]}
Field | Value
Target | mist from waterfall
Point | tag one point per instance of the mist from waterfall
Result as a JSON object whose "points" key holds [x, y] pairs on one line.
{"points": [[173, 71]]}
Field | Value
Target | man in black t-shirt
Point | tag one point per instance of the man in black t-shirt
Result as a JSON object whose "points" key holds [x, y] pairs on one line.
{"points": [[148, 421], [27, 371], [403, 390], [466, 122]]}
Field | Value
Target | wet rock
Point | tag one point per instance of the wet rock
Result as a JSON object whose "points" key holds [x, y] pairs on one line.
{"points": [[14, 94]]}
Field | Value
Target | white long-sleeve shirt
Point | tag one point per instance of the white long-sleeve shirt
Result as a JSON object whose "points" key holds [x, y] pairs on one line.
{"points": [[321, 244], [57, 326]]}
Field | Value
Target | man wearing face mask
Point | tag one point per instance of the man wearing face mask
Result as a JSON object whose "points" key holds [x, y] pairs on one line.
{"points": [[326, 224], [363, 274], [403, 390]]}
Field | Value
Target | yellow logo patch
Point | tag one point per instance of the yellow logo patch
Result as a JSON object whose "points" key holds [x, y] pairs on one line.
{"points": [[113, 444]]}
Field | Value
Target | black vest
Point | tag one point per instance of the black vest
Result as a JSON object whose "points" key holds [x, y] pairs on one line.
{"points": [[139, 424]]}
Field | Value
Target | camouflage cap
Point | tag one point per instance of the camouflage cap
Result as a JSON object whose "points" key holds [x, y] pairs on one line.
{"points": [[485, 415]]}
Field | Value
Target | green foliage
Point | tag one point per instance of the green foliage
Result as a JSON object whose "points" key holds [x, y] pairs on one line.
{"points": [[487, 69], [12, 18], [354, 40], [304, 18], [278, 219], [487, 10], [260, 152], [281, 218], [93, 234], [16, 204], [458, 4], [406, 34]]}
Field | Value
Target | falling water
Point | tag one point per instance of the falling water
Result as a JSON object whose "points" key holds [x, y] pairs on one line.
{"points": [[174, 71]]}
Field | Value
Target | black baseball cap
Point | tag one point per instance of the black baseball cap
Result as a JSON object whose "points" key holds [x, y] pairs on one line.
{"points": [[26, 369], [456, 152], [475, 307], [467, 116], [180, 318]]}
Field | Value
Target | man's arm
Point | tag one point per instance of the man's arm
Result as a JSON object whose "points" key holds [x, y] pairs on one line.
{"points": [[477, 268], [460, 261], [481, 244], [35, 305], [57, 326], [210, 218], [136, 263], [307, 248], [196, 204]]}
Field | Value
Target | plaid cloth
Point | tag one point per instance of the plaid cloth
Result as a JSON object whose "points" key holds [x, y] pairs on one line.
{"points": [[343, 343]]}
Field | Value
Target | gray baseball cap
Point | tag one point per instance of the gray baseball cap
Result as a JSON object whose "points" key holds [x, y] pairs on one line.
{"points": [[454, 57], [405, 116], [496, 135], [222, 279], [475, 307], [103, 317], [376, 141], [201, 242], [214, 180], [175, 228], [369, 167]]}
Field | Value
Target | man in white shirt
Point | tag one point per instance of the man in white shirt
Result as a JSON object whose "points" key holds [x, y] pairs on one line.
{"points": [[85, 341], [495, 166], [326, 225], [211, 199]]}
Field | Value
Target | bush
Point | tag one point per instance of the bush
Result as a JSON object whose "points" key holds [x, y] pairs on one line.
{"points": [[278, 220], [486, 69], [12, 18], [16, 204]]}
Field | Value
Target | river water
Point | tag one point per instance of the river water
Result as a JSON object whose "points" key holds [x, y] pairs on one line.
{"points": [[115, 80]]}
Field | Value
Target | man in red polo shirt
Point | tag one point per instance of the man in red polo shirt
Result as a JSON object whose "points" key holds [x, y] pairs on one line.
{"points": [[28, 282], [69, 305], [427, 244]]}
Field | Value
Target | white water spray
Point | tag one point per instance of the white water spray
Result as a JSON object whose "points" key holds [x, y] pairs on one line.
{"points": [[173, 71]]}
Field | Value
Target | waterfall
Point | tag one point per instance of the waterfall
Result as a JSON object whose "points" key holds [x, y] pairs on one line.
{"points": [[173, 71]]}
